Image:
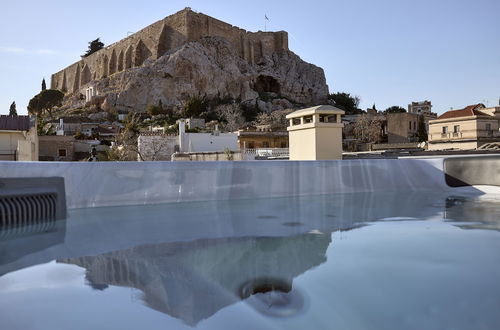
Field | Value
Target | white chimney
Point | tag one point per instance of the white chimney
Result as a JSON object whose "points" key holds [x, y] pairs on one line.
{"points": [[182, 127], [182, 133]]}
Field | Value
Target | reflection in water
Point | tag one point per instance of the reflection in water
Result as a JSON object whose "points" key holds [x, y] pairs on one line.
{"points": [[475, 213], [193, 280], [19, 241], [190, 262]]}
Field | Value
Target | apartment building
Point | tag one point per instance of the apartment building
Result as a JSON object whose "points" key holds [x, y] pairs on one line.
{"points": [[465, 129]]}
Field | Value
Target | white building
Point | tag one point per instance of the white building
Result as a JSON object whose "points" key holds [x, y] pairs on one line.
{"points": [[156, 146], [206, 142]]}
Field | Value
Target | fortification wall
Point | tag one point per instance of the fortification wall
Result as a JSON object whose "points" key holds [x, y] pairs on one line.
{"points": [[249, 45], [132, 51], [156, 39]]}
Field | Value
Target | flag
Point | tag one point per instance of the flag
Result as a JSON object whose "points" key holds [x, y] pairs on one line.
{"points": [[267, 19]]}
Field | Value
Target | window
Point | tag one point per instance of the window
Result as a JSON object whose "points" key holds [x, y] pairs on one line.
{"points": [[456, 128], [251, 145], [488, 127], [295, 121], [308, 119], [327, 118], [284, 145], [409, 126], [444, 132], [61, 152]]}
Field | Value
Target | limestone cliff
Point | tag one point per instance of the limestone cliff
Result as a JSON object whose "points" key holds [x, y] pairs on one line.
{"points": [[210, 67]]}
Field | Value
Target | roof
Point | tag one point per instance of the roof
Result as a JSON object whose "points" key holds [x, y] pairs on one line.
{"points": [[326, 109], [468, 111], [242, 133], [14, 123], [108, 129], [74, 120]]}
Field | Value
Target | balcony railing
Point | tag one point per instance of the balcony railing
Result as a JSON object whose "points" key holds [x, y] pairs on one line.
{"points": [[260, 153]]}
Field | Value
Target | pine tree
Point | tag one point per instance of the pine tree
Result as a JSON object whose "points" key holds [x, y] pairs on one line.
{"points": [[94, 46], [12, 110], [44, 86]]}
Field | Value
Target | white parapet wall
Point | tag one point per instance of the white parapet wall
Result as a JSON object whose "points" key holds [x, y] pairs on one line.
{"points": [[139, 183]]}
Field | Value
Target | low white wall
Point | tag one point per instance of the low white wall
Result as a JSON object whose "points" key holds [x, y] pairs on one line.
{"points": [[207, 142], [133, 183]]}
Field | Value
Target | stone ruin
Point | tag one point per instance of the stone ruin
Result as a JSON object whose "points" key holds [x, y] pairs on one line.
{"points": [[158, 38]]}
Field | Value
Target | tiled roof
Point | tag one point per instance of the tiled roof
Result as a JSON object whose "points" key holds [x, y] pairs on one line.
{"points": [[108, 129], [471, 110], [15, 123]]}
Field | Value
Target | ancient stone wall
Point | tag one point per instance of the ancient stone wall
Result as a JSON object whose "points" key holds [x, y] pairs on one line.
{"points": [[160, 37]]}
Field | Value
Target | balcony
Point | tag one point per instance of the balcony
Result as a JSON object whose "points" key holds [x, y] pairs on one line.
{"points": [[487, 133]]}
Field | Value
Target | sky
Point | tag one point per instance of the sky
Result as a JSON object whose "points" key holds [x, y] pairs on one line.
{"points": [[387, 52]]}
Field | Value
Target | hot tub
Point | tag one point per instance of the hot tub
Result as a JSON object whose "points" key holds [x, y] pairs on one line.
{"points": [[373, 244]]}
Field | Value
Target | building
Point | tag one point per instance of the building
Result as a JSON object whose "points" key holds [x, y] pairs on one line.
{"points": [[107, 132], [193, 123], [423, 108], [56, 148], [155, 146], [18, 138], [402, 127], [69, 126], [420, 108], [465, 129], [315, 133], [254, 138], [206, 142]]}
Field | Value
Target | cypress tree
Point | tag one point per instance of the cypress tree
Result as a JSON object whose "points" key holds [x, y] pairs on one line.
{"points": [[44, 86], [12, 110]]}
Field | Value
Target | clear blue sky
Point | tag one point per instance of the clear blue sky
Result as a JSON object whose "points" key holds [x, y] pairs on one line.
{"points": [[388, 52]]}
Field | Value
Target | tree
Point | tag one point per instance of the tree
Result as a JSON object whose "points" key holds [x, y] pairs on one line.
{"points": [[44, 86], [368, 129], [194, 107], [395, 109], [126, 147], [421, 130], [45, 101], [232, 115], [155, 110], [12, 110], [345, 102], [94, 46], [276, 119]]}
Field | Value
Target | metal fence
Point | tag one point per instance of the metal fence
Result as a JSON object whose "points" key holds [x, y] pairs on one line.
{"points": [[265, 153]]}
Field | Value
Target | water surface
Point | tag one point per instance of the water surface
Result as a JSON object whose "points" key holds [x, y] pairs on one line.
{"points": [[350, 261]]}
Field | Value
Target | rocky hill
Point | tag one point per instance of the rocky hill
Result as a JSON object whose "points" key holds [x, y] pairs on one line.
{"points": [[209, 69]]}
